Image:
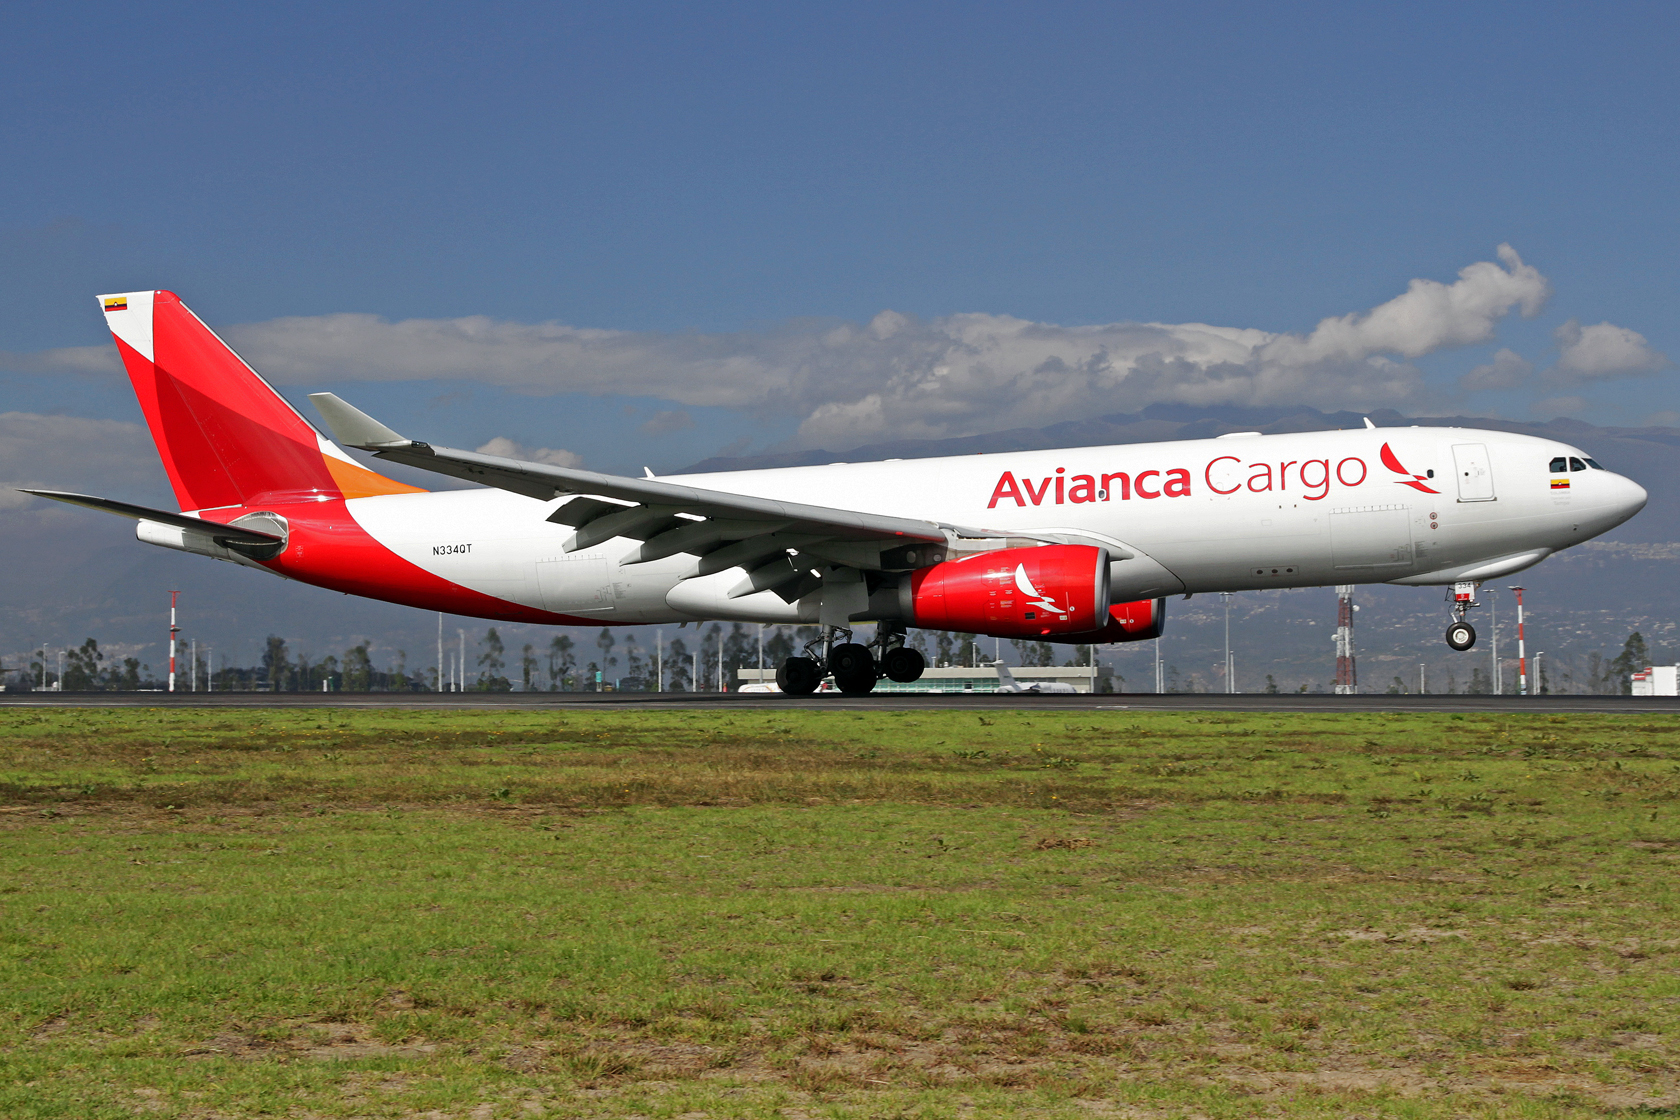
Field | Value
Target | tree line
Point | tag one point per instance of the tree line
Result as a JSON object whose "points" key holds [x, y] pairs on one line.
{"points": [[701, 660]]}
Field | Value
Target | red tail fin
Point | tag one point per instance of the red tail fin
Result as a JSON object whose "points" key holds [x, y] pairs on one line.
{"points": [[225, 436]]}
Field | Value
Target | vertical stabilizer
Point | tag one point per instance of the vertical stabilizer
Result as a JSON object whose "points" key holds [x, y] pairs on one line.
{"points": [[225, 436], [1006, 679]]}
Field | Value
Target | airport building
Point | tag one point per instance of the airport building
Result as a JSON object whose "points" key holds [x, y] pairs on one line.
{"points": [[1658, 680]]}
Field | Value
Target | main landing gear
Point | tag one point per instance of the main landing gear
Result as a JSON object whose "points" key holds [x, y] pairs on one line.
{"points": [[855, 666], [1461, 635]]}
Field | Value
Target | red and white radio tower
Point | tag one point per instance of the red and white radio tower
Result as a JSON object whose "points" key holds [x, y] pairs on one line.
{"points": [[1347, 675], [173, 630]]}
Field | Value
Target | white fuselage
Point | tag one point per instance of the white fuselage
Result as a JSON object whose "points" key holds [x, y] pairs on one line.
{"points": [[1229, 514]]}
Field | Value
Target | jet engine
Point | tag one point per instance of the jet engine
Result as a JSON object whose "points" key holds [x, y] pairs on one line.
{"points": [[1137, 621], [1042, 593]]}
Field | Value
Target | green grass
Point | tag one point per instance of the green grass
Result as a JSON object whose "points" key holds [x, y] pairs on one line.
{"points": [[806, 914]]}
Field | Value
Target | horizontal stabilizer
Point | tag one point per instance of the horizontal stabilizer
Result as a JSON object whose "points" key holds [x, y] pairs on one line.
{"points": [[177, 520]]}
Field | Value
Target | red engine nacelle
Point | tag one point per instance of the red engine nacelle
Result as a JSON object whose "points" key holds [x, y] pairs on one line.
{"points": [[1044, 592], [1136, 621]]}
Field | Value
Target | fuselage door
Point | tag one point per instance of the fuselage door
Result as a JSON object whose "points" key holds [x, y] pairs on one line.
{"points": [[578, 584], [1475, 472]]}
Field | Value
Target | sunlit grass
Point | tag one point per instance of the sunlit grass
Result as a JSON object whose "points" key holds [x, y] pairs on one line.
{"points": [[507, 914]]}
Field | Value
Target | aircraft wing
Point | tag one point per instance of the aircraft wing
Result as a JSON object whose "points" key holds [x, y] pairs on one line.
{"points": [[723, 530]]}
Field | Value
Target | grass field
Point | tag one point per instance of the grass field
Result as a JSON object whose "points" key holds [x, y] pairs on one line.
{"points": [[806, 914]]}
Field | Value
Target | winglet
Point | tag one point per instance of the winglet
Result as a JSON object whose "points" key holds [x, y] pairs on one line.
{"points": [[1368, 423], [350, 425]]}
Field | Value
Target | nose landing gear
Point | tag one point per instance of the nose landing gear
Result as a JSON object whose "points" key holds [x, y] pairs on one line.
{"points": [[1461, 635], [855, 666]]}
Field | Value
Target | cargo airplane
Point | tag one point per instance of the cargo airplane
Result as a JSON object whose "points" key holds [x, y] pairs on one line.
{"points": [[1082, 545]]}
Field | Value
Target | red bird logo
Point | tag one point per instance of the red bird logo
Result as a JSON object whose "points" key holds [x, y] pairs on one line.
{"points": [[1416, 481]]}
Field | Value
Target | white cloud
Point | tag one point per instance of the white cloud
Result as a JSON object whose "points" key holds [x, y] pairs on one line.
{"points": [[1508, 370], [509, 449], [900, 376], [1601, 352], [1430, 315], [66, 359], [107, 458]]}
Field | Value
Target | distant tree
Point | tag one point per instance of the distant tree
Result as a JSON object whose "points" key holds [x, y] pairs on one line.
{"points": [[41, 672], [81, 667], [1271, 688], [740, 649], [491, 663], [677, 672], [277, 667], [1480, 683], [778, 647], [1397, 687], [527, 668], [358, 669], [606, 642], [1619, 671], [130, 680], [943, 648], [561, 663]]}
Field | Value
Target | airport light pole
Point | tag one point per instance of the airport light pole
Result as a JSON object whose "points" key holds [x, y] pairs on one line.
{"points": [[1230, 686], [1522, 661], [1496, 685]]}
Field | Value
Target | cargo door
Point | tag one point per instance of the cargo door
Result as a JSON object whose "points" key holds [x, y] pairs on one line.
{"points": [[1372, 537], [1475, 473], [575, 586]]}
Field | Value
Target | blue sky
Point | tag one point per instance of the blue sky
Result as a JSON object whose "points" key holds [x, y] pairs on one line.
{"points": [[725, 185]]}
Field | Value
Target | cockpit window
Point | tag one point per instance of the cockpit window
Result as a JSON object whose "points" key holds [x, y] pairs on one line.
{"points": [[1593, 463], [1560, 465], [1576, 464]]}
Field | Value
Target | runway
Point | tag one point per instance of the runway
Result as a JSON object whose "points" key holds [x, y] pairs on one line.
{"points": [[1317, 704]]}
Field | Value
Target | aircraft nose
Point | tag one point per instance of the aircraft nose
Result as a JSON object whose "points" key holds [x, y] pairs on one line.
{"points": [[1630, 497]]}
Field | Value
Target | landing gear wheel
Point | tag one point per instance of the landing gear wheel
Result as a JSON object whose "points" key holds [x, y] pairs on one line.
{"points": [[903, 664], [853, 667], [1461, 636], [798, 676]]}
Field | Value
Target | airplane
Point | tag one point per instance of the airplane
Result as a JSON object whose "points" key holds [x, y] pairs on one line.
{"points": [[1082, 545], [1008, 683]]}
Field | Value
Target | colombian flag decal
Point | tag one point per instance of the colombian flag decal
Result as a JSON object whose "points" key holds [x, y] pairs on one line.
{"points": [[1560, 484], [117, 303]]}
